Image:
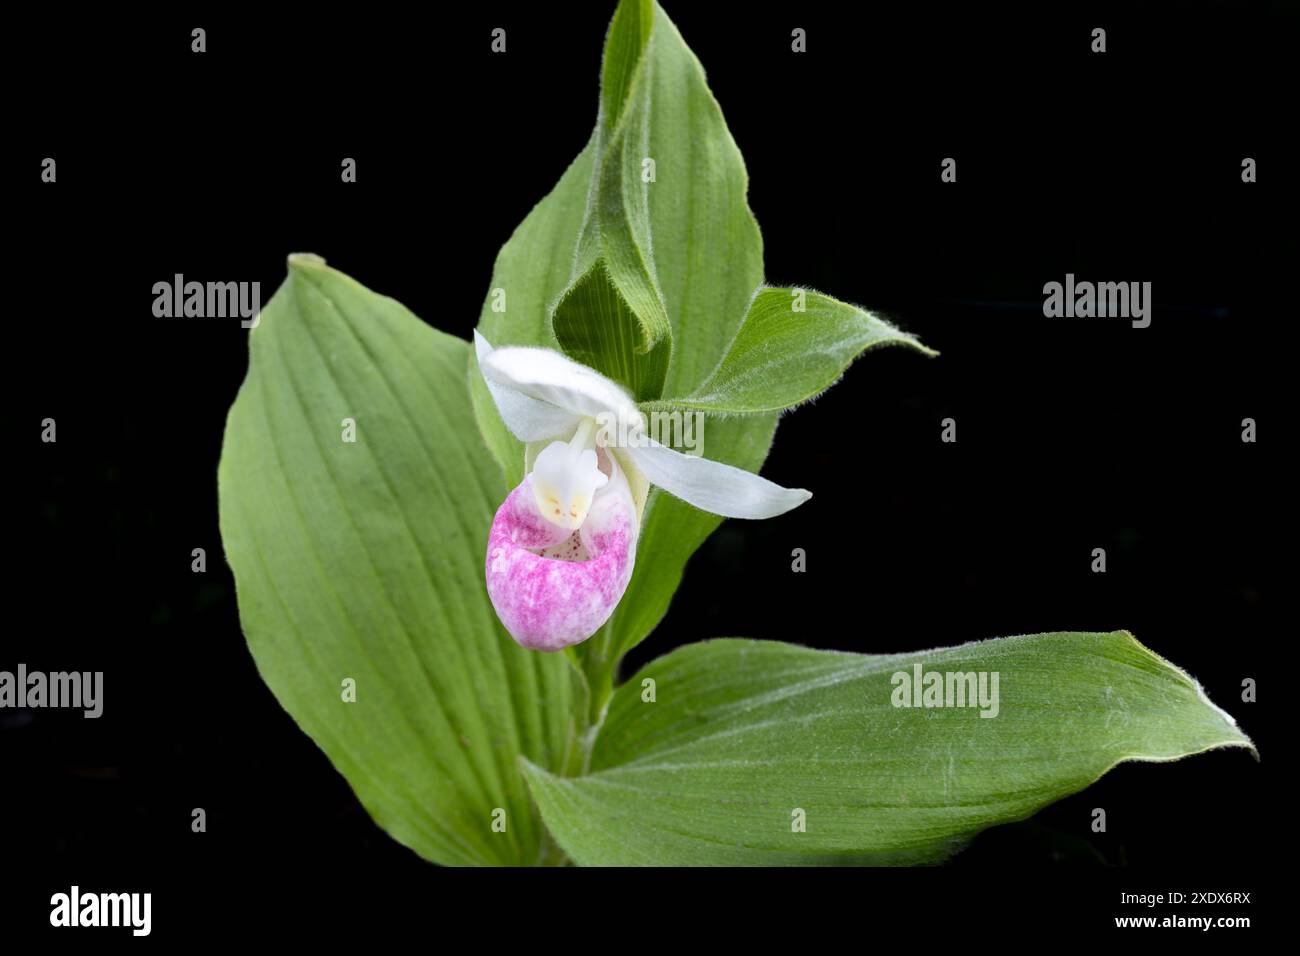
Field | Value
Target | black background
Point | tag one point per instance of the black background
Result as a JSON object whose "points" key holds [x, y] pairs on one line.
{"points": [[1072, 434]]}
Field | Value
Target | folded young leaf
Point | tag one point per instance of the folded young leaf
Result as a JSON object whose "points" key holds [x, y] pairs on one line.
{"points": [[355, 498], [612, 315], [736, 752], [794, 344], [629, 32], [701, 222], [596, 325]]}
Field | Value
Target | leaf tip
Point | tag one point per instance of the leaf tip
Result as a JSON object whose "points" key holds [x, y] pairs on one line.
{"points": [[1244, 739], [534, 776], [304, 260], [1240, 738]]}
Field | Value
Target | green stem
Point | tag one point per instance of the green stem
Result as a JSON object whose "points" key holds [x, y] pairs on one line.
{"points": [[595, 676]]}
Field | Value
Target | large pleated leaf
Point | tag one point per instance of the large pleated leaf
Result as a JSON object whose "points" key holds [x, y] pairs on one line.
{"points": [[757, 752], [362, 560]]}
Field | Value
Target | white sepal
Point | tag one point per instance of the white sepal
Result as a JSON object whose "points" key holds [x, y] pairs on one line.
{"points": [[528, 419], [547, 376]]}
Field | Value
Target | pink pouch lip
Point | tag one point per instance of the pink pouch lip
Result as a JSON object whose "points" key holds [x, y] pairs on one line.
{"points": [[549, 603]]}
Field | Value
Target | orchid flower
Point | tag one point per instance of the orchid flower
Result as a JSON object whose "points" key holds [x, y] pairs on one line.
{"points": [[563, 543]]}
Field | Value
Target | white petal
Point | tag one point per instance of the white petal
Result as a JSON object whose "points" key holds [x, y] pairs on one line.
{"points": [[711, 485], [547, 376], [527, 418], [565, 478]]}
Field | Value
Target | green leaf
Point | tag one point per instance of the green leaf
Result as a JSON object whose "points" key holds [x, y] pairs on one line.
{"points": [[364, 561], [595, 325], [531, 270], [793, 345], [699, 218], [628, 34], [709, 260], [612, 315], [743, 733]]}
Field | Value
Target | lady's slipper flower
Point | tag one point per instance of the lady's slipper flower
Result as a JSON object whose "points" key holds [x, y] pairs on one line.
{"points": [[563, 543]]}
